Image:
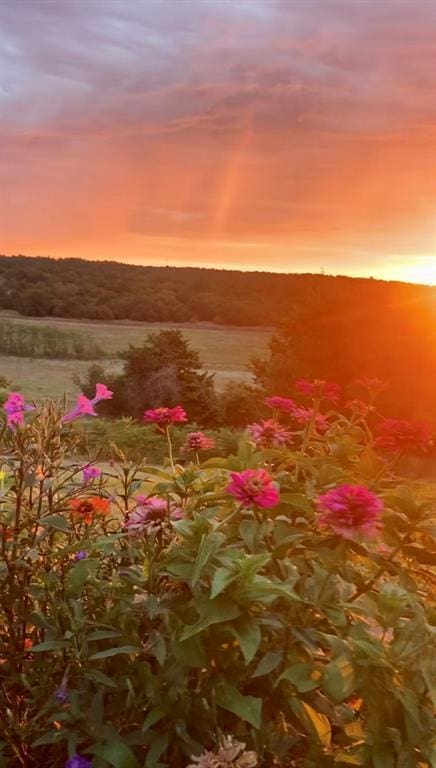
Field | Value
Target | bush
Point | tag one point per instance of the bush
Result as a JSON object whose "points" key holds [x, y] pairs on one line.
{"points": [[147, 615]]}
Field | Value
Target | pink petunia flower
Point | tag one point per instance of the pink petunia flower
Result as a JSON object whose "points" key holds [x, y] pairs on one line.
{"points": [[151, 515], [350, 510], [269, 433], [15, 407], [90, 473], [163, 417], [396, 435], [198, 441], [101, 393], [254, 487], [84, 407], [319, 389], [285, 404]]}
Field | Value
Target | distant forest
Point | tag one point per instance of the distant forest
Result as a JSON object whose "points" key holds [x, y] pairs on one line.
{"points": [[76, 288], [334, 328]]}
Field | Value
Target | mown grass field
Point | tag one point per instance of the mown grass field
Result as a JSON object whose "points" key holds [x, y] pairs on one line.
{"points": [[223, 351]]}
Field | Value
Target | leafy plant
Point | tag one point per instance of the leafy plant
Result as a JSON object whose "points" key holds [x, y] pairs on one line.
{"points": [[273, 605]]}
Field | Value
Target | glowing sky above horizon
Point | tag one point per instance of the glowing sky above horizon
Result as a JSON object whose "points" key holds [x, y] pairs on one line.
{"points": [[287, 135]]}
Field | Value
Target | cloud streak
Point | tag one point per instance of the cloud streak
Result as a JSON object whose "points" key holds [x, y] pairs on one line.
{"points": [[158, 131]]}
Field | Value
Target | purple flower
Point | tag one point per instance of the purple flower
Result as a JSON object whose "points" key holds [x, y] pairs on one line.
{"points": [[90, 473], [151, 515], [61, 695], [269, 433], [80, 555], [15, 408], [278, 403], [78, 762]]}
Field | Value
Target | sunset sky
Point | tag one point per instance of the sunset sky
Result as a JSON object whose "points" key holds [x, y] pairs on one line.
{"points": [[287, 135]]}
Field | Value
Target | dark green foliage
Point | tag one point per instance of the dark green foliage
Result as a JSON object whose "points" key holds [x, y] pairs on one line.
{"points": [[164, 371], [22, 340], [313, 649]]}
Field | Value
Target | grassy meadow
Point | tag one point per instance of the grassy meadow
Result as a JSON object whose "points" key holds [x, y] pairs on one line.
{"points": [[225, 351]]}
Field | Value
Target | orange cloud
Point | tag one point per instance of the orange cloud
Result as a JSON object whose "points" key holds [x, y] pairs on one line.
{"points": [[261, 135]]}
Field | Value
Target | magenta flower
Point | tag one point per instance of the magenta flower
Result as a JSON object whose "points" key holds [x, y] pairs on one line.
{"points": [[285, 404], [350, 510], [198, 441], [163, 417], [254, 487], [15, 407], [90, 473], [78, 762], [269, 433], [101, 393], [83, 407], [373, 384], [151, 515], [358, 407], [303, 416], [397, 435], [319, 389]]}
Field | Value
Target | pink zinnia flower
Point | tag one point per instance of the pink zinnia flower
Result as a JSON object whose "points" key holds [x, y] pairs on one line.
{"points": [[396, 435], [269, 433], [15, 407], [373, 384], [319, 389], [303, 416], [163, 417], [358, 407], [280, 403], [254, 487], [90, 473], [350, 510], [151, 515], [198, 441]]}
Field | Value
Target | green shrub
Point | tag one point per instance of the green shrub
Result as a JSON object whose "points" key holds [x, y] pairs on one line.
{"points": [[138, 632]]}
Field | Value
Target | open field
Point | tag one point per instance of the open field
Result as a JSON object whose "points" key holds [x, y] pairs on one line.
{"points": [[224, 351]]}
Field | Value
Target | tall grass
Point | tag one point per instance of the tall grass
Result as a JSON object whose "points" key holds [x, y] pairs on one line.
{"points": [[19, 340]]}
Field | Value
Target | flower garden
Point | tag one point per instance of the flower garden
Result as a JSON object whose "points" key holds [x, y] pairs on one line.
{"points": [[272, 608]]}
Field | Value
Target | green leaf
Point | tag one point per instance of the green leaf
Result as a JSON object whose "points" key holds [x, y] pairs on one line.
{"points": [[50, 645], [79, 574], [339, 680], [103, 634], [122, 649], [221, 579], [157, 747], [315, 723], [211, 612], [118, 754], [300, 675], [247, 708], [248, 632], [152, 718], [268, 663], [55, 521], [210, 544]]}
